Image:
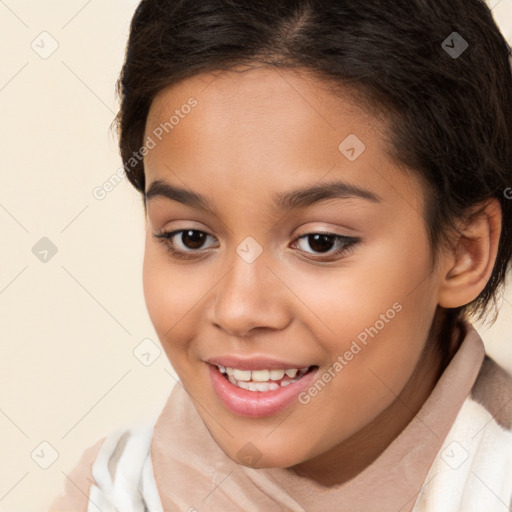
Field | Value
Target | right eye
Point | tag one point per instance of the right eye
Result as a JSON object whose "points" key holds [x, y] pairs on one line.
{"points": [[189, 239]]}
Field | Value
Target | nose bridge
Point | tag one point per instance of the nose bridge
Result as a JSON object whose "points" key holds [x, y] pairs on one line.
{"points": [[244, 282], [247, 295]]}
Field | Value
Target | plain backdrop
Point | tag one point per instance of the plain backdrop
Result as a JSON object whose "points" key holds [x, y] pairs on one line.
{"points": [[72, 310]]}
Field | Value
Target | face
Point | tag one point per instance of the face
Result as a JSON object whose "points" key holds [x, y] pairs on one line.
{"points": [[339, 279]]}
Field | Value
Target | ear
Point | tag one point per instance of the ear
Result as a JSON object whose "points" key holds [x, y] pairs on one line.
{"points": [[467, 268]]}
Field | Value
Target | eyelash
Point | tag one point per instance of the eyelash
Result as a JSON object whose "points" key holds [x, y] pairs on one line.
{"points": [[349, 243]]}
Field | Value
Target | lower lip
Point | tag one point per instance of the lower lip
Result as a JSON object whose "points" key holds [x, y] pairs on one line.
{"points": [[257, 403]]}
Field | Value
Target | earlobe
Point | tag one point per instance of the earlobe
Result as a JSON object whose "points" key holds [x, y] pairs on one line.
{"points": [[468, 268]]}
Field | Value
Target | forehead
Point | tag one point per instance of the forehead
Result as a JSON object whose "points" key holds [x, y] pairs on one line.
{"points": [[263, 129], [244, 85], [230, 99]]}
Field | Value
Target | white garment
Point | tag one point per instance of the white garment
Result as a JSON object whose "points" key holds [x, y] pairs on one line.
{"points": [[472, 472], [133, 488]]}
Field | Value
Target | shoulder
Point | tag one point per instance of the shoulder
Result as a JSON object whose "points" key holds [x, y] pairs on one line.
{"points": [[77, 484], [117, 458], [123, 452], [123, 472], [493, 390], [472, 470]]}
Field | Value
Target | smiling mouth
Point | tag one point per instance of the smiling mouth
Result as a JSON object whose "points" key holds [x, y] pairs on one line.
{"points": [[264, 380]]}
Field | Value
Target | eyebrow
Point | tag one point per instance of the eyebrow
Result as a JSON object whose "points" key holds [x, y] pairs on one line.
{"points": [[294, 199]]}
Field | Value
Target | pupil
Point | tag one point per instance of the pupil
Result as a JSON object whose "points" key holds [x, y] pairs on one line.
{"points": [[321, 242], [197, 239]]}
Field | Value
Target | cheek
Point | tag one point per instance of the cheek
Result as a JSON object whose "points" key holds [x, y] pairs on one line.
{"points": [[384, 276], [170, 296], [374, 313], [158, 286]]}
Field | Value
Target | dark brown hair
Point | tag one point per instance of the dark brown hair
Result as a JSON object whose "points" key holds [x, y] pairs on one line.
{"points": [[449, 115]]}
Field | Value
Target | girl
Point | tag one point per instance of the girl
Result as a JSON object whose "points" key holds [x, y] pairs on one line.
{"points": [[326, 186]]}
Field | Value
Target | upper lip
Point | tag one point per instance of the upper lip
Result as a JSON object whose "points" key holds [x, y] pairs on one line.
{"points": [[254, 363]]}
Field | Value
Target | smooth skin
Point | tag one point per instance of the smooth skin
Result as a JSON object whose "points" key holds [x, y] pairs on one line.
{"points": [[265, 131]]}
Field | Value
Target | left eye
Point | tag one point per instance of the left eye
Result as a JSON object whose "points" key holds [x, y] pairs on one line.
{"points": [[323, 242], [192, 240]]}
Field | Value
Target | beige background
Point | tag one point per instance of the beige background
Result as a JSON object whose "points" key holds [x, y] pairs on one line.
{"points": [[68, 373]]}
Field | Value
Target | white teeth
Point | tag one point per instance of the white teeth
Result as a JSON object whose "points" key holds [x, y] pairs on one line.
{"points": [[266, 386], [276, 374], [258, 386], [260, 375], [242, 374], [261, 380]]}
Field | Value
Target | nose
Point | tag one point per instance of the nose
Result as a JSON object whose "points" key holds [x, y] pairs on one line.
{"points": [[251, 296]]}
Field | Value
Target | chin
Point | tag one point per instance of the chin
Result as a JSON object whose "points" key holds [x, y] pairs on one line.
{"points": [[265, 460]]}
